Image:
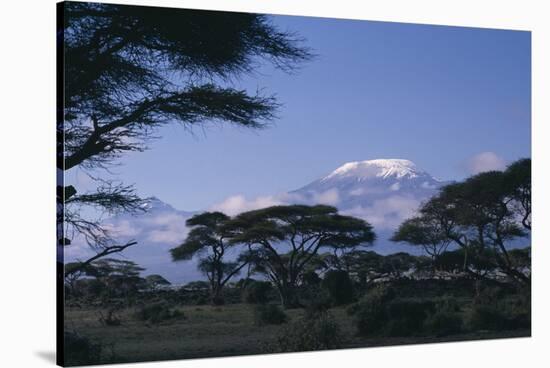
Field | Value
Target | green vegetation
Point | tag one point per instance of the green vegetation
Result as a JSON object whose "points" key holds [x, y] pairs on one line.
{"points": [[231, 329]]}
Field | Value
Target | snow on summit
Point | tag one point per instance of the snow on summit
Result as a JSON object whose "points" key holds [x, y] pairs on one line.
{"points": [[380, 168]]}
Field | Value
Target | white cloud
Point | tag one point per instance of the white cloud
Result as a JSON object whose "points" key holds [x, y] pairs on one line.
{"points": [[395, 186], [356, 192], [329, 197], [169, 228], [239, 203], [427, 185], [386, 213], [485, 161], [122, 229]]}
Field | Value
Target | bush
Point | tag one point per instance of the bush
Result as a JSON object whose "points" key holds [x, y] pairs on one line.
{"points": [[443, 323], [80, 350], [406, 316], [157, 312], [487, 317], [257, 292], [111, 319], [310, 278], [446, 319], [269, 314], [498, 309], [339, 286], [314, 299], [319, 333], [370, 312]]}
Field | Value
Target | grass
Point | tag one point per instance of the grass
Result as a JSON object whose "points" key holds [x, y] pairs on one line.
{"points": [[208, 331]]}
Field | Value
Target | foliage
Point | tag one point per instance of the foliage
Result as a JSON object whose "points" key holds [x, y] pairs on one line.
{"points": [[315, 300], [423, 231], [446, 319], [339, 286], [486, 317], [111, 318], [130, 70], [370, 312], [482, 215], [80, 350], [207, 239], [311, 278], [157, 312], [302, 229], [318, 333], [269, 314], [257, 292], [406, 316], [496, 308]]}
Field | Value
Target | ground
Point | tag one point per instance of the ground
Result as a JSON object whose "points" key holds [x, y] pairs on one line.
{"points": [[208, 331]]}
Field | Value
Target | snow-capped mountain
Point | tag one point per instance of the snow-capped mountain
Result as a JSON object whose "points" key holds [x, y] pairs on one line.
{"points": [[363, 183], [384, 192]]}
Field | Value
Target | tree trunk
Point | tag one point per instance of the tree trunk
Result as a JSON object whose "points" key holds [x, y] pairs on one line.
{"points": [[216, 296], [288, 295]]}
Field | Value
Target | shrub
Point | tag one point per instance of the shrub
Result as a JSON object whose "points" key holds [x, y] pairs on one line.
{"points": [[446, 319], [257, 292], [80, 350], [487, 317], [111, 319], [443, 323], [311, 278], [370, 312], [319, 333], [498, 309], [314, 299], [406, 316], [269, 314], [339, 286], [157, 312]]}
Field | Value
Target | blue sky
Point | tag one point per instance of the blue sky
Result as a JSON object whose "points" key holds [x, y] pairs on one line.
{"points": [[435, 95]]}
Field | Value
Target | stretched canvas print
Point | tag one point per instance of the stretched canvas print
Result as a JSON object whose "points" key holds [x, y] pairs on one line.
{"points": [[235, 183]]}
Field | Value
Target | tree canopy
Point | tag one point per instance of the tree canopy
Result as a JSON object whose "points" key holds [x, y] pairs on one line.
{"points": [[284, 240], [128, 70], [209, 239], [483, 215]]}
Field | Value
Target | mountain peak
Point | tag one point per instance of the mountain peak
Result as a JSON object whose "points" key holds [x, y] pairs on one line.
{"points": [[155, 204], [380, 168]]}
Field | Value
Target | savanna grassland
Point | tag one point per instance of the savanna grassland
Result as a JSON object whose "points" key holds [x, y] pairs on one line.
{"points": [[198, 331], [208, 331]]}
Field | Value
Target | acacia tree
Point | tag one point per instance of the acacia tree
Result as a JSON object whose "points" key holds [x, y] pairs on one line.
{"points": [[118, 276], [284, 240], [483, 215], [424, 231], [209, 240], [129, 70]]}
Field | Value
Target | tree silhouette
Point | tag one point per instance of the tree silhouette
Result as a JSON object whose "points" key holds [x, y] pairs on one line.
{"points": [[284, 240], [426, 232], [483, 215], [128, 70], [209, 239]]}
